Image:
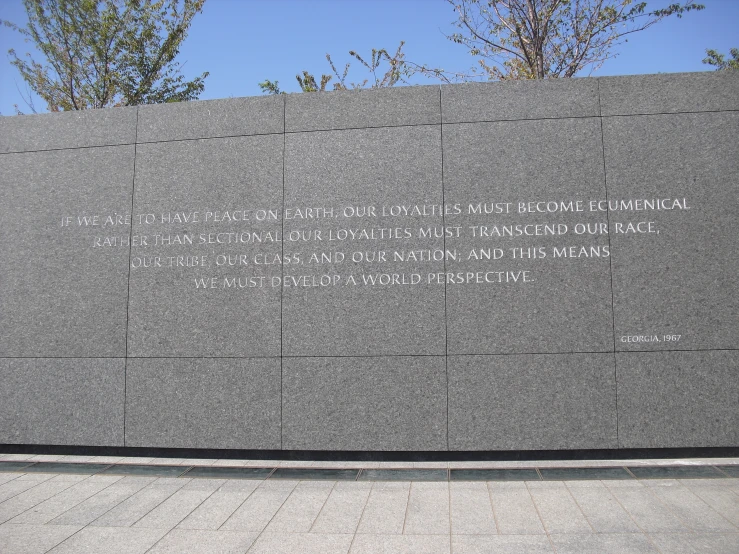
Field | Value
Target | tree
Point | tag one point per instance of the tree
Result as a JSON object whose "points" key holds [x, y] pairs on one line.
{"points": [[717, 59], [102, 53], [537, 39], [396, 71]]}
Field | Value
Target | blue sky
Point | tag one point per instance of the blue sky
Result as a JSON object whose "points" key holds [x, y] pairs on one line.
{"points": [[243, 42]]}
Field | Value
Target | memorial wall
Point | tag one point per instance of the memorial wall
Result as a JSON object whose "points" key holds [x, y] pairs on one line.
{"points": [[508, 266]]}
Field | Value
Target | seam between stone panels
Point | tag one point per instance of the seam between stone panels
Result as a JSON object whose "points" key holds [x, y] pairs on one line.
{"points": [[69, 148], [361, 128], [668, 113], [282, 244], [209, 138], [610, 258], [443, 227], [128, 290]]}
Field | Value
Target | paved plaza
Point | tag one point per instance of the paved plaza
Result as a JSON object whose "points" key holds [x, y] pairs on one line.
{"points": [[71, 504]]}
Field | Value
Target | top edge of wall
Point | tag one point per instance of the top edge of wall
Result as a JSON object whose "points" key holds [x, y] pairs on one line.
{"points": [[389, 107], [74, 129], [707, 91]]}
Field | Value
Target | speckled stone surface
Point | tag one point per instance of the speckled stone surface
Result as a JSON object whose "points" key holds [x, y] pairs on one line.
{"points": [[512, 100], [350, 172], [68, 130], [412, 269], [669, 93], [354, 109], [68, 401], [211, 118], [547, 300], [195, 304], [532, 402], [373, 403], [203, 403], [60, 294], [681, 279], [678, 399]]}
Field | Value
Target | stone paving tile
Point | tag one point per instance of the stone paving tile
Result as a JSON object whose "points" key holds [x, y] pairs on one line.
{"points": [[725, 502], [471, 509], [14, 488], [300, 509], [304, 543], [631, 543], [33, 539], [428, 509], [71, 477], [698, 515], [173, 510], [89, 510], [6, 477], [505, 544], [703, 543], [207, 484], [384, 513], [602, 510], [215, 510], [258, 509], [169, 481], [558, 510], [514, 509], [400, 544], [60, 503], [28, 499], [651, 515], [343, 508], [185, 541], [36, 476], [110, 540], [135, 507]]}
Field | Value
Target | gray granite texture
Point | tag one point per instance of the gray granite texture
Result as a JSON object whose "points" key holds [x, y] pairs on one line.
{"points": [[203, 403], [74, 401], [678, 399], [532, 402], [669, 93], [682, 278], [60, 293], [68, 130], [513, 100], [211, 118], [374, 403], [202, 181], [562, 303], [507, 266], [390, 107], [353, 172]]}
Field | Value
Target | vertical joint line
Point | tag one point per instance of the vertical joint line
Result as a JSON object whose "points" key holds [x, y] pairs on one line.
{"points": [[282, 266], [443, 227], [610, 257], [128, 284]]}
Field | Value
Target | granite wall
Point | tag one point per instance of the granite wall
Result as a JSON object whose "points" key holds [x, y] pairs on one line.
{"points": [[508, 266]]}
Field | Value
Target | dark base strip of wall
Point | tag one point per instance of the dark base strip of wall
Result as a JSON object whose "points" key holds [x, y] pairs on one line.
{"points": [[375, 456]]}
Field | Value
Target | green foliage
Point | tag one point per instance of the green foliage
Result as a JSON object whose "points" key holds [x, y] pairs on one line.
{"points": [[102, 53], [718, 60], [270, 87], [385, 70], [537, 39]]}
